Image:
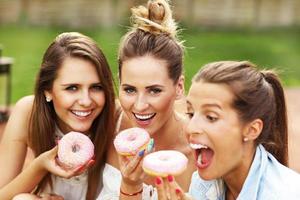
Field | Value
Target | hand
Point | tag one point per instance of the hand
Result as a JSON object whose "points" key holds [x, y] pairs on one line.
{"points": [[132, 171], [48, 160], [168, 189]]}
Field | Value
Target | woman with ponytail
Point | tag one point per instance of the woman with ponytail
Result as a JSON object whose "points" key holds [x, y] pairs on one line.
{"points": [[238, 129]]}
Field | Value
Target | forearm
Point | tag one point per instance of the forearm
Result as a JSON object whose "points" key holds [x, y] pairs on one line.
{"points": [[25, 181]]}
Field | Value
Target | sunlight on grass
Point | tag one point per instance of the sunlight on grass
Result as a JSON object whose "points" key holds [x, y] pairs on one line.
{"points": [[278, 49]]}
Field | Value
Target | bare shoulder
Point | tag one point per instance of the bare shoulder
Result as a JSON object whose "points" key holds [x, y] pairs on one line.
{"points": [[17, 126]]}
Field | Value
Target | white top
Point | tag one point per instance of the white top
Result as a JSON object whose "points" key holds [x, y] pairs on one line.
{"points": [[111, 186], [75, 188]]}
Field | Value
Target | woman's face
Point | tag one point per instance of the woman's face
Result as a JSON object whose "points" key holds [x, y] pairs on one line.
{"points": [[147, 93], [77, 95], [214, 130]]}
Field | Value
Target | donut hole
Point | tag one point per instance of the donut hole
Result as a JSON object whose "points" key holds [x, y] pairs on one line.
{"points": [[75, 148], [131, 137], [164, 158]]}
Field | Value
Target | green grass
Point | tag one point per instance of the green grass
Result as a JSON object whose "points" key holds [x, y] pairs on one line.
{"points": [[278, 49]]}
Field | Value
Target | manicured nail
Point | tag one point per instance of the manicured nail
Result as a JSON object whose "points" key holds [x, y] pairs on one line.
{"points": [[158, 181], [170, 178], [141, 153], [178, 191], [150, 145], [91, 162]]}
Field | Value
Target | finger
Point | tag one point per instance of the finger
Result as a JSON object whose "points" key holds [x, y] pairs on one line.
{"points": [[161, 192], [82, 168], [132, 164], [172, 186], [150, 146]]}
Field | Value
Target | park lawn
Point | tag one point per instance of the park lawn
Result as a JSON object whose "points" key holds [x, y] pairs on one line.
{"points": [[278, 49]]}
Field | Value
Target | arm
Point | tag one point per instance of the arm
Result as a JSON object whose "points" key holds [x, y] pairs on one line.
{"points": [[13, 146], [34, 173]]}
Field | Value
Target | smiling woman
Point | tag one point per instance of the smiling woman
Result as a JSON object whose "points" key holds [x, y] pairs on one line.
{"points": [[73, 92]]}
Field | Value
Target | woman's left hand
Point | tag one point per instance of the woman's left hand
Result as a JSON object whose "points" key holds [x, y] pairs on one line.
{"points": [[168, 189]]}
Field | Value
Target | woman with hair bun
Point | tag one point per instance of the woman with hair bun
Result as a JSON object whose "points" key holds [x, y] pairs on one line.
{"points": [[150, 74]]}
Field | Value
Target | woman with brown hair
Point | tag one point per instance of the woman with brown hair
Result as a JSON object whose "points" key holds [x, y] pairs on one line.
{"points": [[73, 92], [151, 80], [238, 129]]}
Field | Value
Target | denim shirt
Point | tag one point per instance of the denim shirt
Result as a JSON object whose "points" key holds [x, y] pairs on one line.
{"points": [[267, 180]]}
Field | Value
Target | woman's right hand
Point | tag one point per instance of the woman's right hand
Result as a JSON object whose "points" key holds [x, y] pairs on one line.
{"points": [[48, 161], [132, 171]]}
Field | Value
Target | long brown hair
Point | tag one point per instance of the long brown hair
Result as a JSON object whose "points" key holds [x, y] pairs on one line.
{"points": [[43, 117], [258, 95], [154, 33]]}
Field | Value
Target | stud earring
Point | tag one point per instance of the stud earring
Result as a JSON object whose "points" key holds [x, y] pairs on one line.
{"points": [[48, 99], [245, 139]]}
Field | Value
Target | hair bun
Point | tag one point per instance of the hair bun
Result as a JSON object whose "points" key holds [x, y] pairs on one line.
{"points": [[156, 18]]}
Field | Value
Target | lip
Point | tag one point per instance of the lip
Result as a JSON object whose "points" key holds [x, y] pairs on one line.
{"points": [[197, 147], [82, 114], [143, 122]]}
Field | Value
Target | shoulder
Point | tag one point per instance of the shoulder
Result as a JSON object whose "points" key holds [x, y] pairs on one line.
{"points": [[281, 180], [18, 122]]}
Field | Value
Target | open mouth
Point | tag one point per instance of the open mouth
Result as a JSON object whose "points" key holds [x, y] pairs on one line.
{"points": [[144, 117], [81, 113], [203, 155]]}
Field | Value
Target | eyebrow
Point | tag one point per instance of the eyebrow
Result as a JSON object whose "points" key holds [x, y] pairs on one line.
{"points": [[148, 87], [206, 105]]}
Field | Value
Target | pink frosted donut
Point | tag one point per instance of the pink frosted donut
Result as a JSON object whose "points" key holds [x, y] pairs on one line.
{"points": [[130, 141], [164, 163], [75, 149]]}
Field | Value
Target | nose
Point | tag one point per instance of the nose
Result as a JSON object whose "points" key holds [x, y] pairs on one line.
{"points": [[85, 98], [194, 126], [141, 103]]}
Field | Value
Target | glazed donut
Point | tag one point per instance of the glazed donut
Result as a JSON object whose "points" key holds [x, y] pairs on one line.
{"points": [[164, 163], [74, 149], [130, 141]]}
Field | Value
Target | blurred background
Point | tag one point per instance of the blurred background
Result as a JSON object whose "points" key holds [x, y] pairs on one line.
{"points": [[266, 32]]}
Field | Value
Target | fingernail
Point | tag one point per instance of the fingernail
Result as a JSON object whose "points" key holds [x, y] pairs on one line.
{"points": [[158, 181], [141, 153], [178, 191], [150, 145], [170, 178], [92, 162]]}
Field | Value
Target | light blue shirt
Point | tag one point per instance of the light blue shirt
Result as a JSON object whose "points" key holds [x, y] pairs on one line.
{"points": [[267, 180]]}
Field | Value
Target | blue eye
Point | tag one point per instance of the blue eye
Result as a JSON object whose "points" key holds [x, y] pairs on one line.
{"points": [[155, 91], [72, 88], [129, 90], [97, 87]]}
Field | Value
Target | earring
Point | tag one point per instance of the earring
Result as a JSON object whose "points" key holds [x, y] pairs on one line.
{"points": [[48, 99], [245, 139]]}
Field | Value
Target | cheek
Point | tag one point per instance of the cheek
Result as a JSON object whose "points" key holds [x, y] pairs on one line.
{"points": [[100, 99]]}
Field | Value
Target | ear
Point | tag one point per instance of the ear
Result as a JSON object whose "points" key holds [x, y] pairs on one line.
{"points": [[253, 130], [180, 87], [48, 96]]}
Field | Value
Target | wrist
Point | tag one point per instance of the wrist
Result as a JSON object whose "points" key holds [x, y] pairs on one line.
{"points": [[130, 188]]}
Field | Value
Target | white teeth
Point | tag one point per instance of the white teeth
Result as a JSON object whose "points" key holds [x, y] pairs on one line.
{"points": [[81, 113], [199, 160], [144, 117], [198, 146]]}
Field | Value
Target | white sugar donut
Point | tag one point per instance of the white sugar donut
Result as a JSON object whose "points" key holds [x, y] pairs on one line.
{"points": [[75, 149], [130, 141], [164, 163]]}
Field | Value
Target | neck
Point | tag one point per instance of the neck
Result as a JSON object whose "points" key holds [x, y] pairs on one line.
{"points": [[170, 135], [235, 179]]}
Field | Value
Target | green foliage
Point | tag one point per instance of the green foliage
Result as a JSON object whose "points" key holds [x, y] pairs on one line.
{"points": [[278, 49]]}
